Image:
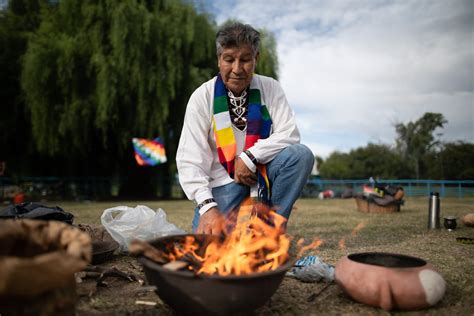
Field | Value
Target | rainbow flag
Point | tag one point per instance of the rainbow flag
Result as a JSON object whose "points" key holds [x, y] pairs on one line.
{"points": [[149, 152]]}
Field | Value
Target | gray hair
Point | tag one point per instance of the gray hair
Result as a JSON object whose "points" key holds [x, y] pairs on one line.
{"points": [[236, 34]]}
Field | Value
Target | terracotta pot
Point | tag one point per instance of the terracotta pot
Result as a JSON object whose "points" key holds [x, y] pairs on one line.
{"points": [[390, 281]]}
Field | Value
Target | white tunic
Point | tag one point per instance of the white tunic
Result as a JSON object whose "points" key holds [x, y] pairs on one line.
{"points": [[196, 158]]}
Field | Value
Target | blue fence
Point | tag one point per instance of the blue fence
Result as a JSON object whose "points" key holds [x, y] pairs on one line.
{"points": [[82, 188], [412, 188]]}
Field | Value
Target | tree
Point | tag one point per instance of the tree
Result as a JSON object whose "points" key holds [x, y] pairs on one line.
{"points": [[336, 166], [267, 64], [373, 160], [97, 73], [415, 139], [93, 75], [19, 19], [455, 161], [378, 161]]}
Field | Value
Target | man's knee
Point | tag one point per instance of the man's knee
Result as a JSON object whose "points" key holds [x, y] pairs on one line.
{"points": [[300, 154], [306, 155]]}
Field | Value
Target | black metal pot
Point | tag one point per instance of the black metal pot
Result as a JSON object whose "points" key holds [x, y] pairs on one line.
{"points": [[188, 293]]}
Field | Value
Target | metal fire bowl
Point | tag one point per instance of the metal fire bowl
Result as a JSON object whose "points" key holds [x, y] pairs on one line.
{"points": [[188, 293]]}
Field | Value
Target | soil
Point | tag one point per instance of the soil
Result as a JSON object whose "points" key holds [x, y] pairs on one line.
{"points": [[332, 220], [119, 296]]}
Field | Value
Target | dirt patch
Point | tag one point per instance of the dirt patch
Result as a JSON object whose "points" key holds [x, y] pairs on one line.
{"points": [[331, 220], [118, 296]]}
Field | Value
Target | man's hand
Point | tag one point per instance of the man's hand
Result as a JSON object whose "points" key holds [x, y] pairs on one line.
{"points": [[242, 173], [212, 222]]}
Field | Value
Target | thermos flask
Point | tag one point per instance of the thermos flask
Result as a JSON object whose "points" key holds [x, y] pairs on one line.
{"points": [[433, 211]]}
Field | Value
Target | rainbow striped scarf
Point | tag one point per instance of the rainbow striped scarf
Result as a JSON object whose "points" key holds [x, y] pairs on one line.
{"points": [[258, 127]]}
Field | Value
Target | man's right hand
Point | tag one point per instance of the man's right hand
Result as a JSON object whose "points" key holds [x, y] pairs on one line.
{"points": [[212, 222], [242, 174]]}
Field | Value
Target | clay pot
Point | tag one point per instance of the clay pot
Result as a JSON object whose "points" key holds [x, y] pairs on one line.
{"points": [[390, 281], [468, 220]]}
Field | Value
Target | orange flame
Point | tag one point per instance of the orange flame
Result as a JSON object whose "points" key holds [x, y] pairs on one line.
{"points": [[256, 244], [313, 245], [342, 242], [357, 228]]}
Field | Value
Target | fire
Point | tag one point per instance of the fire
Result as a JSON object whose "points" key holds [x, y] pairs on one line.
{"points": [[256, 244], [342, 242], [313, 245], [357, 228]]}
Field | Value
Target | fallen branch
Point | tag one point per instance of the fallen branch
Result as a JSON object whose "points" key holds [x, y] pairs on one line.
{"points": [[101, 273], [313, 296]]}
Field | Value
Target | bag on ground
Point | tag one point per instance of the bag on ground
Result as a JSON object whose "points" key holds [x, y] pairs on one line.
{"points": [[141, 222]]}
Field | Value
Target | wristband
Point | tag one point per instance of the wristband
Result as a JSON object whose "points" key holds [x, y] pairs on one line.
{"points": [[251, 157], [206, 202]]}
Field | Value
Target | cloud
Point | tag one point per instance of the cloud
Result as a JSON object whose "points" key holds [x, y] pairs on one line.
{"points": [[352, 69]]}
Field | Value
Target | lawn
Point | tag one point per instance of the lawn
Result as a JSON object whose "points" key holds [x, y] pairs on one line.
{"points": [[331, 220]]}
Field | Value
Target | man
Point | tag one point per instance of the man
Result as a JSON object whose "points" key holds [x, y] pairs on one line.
{"points": [[239, 138]]}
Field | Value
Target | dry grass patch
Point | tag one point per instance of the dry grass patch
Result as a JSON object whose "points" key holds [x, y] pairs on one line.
{"points": [[331, 220]]}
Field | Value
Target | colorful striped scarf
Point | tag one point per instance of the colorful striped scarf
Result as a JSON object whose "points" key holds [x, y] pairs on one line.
{"points": [[258, 127]]}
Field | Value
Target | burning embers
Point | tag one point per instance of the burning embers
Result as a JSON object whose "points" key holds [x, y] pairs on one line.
{"points": [[257, 243], [342, 242]]}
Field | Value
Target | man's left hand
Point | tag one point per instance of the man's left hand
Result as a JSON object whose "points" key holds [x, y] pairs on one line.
{"points": [[243, 175]]}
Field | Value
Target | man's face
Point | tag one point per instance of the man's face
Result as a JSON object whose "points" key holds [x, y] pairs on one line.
{"points": [[236, 66]]}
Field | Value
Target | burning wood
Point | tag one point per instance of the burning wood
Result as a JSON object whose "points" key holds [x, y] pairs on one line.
{"points": [[139, 247], [175, 265], [256, 244]]}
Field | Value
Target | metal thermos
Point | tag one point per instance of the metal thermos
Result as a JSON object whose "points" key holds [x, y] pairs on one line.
{"points": [[433, 211]]}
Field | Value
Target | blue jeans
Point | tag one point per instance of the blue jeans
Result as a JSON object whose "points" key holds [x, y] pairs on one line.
{"points": [[287, 172]]}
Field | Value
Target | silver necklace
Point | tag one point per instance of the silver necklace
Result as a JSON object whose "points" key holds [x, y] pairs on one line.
{"points": [[238, 105]]}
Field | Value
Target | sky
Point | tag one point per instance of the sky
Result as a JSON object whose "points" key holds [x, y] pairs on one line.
{"points": [[351, 70]]}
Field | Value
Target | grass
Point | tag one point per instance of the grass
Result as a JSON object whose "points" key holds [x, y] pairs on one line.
{"points": [[332, 220]]}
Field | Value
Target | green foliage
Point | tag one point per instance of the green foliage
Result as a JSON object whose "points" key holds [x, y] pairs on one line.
{"points": [[87, 76], [336, 166], [416, 139], [374, 160], [267, 63], [109, 69], [97, 73], [94, 74], [455, 161], [16, 22], [417, 153]]}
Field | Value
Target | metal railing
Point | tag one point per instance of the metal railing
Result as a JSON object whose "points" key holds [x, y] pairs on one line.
{"points": [[83, 188], [412, 188]]}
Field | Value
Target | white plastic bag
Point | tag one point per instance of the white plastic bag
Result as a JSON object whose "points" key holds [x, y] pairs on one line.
{"points": [[141, 222]]}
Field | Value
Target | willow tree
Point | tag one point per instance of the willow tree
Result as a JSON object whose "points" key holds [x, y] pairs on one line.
{"points": [[268, 58], [97, 73], [16, 21]]}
